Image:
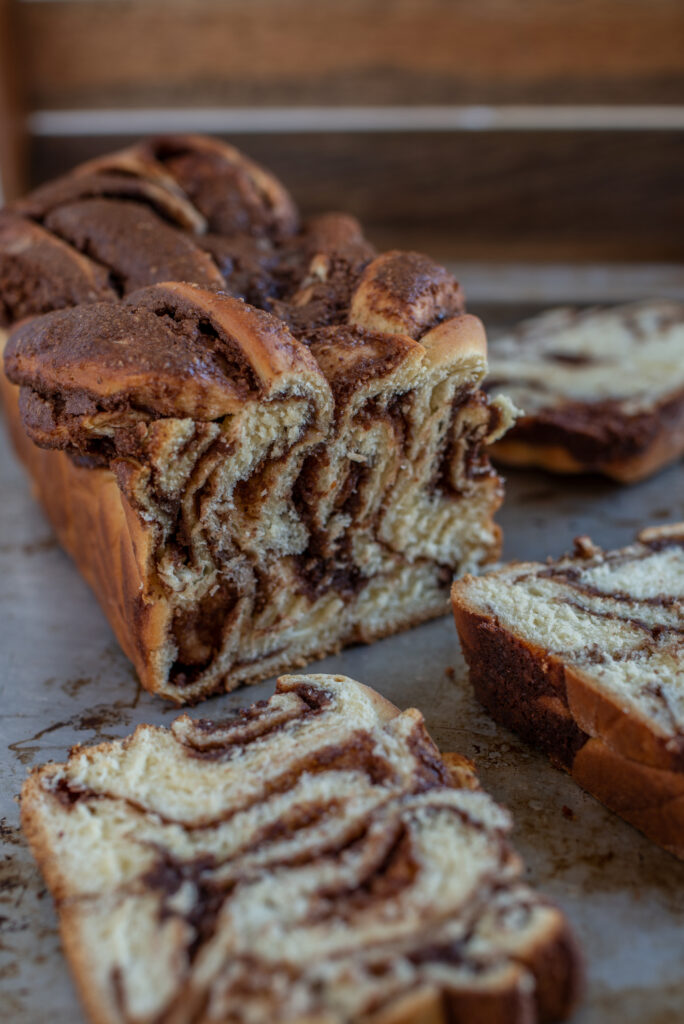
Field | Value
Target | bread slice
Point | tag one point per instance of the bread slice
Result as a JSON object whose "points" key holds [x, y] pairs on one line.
{"points": [[259, 441], [311, 859], [584, 658], [602, 390]]}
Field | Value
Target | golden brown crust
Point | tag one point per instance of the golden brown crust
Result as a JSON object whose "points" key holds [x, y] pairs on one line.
{"points": [[37, 833], [112, 547], [139, 183], [507, 1004], [616, 757], [137, 246], [661, 450], [172, 350], [76, 953], [211, 172], [558, 971], [461, 339], [229, 192], [404, 293], [651, 799], [461, 770]]}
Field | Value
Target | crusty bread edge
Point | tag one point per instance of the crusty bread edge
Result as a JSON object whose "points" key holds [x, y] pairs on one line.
{"points": [[614, 761], [38, 838], [666, 447], [82, 502]]}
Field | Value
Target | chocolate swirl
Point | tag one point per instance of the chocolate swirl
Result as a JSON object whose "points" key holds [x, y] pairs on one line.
{"points": [[311, 855]]}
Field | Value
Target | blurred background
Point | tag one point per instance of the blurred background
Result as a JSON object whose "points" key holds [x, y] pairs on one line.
{"points": [[535, 145]]}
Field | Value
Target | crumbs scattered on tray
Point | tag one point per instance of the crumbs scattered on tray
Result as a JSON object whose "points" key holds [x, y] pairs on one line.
{"points": [[97, 719], [568, 812], [9, 834], [450, 672]]}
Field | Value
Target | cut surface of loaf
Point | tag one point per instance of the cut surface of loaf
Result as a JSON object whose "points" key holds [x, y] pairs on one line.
{"points": [[601, 390], [584, 657], [311, 858], [259, 440]]}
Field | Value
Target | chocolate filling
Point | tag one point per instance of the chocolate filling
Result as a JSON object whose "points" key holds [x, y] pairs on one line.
{"points": [[598, 432], [198, 631]]}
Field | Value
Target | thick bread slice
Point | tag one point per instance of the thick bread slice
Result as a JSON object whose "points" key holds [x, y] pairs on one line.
{"points": [[310, 859], [584, 657], [602, 390]]}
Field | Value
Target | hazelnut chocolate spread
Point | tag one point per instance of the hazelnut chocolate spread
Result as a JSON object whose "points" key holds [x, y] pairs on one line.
{"points": [[292, 423], [324, 862], [352, 356]]}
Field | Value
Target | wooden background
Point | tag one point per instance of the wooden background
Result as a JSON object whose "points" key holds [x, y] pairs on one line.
{"points": [[489, 130]]}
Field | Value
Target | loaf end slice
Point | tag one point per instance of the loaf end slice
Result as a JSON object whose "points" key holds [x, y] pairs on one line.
{"points": [[602, 390], [584, 658], [310, 858]]}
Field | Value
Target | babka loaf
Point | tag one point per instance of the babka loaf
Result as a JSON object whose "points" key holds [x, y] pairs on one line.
{"points": [[584, 658], [310, 859], [602, 390], [259, 441]]}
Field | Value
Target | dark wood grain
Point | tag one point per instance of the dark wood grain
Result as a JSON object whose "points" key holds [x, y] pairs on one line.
{"points": [[170, 52], [533, 194], [12, 125], [502, 195]]}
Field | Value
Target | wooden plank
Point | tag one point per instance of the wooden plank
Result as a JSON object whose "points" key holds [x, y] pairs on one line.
{"points": [[489, 195], [546, 284], [12, 128], [409, 118], [241, 52]]}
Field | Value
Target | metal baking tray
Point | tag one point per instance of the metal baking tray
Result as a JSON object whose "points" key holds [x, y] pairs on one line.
{"points": [[64, 680]]}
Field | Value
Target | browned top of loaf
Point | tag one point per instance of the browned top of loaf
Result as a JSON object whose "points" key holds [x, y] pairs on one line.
{"points": [[39, 272], [85, 249], [168, 350]]}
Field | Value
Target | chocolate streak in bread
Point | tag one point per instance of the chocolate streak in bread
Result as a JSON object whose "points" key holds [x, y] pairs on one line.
{"points": [[602, 390], [256, 486], [599, 690], [309, 858]]}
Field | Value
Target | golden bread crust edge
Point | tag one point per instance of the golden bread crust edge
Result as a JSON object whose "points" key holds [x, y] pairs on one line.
{"points": [[621, 762], [86, 509], [665, 448]]}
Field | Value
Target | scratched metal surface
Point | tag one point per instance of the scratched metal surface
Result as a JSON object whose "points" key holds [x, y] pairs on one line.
{"points": [[63, 680]]}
